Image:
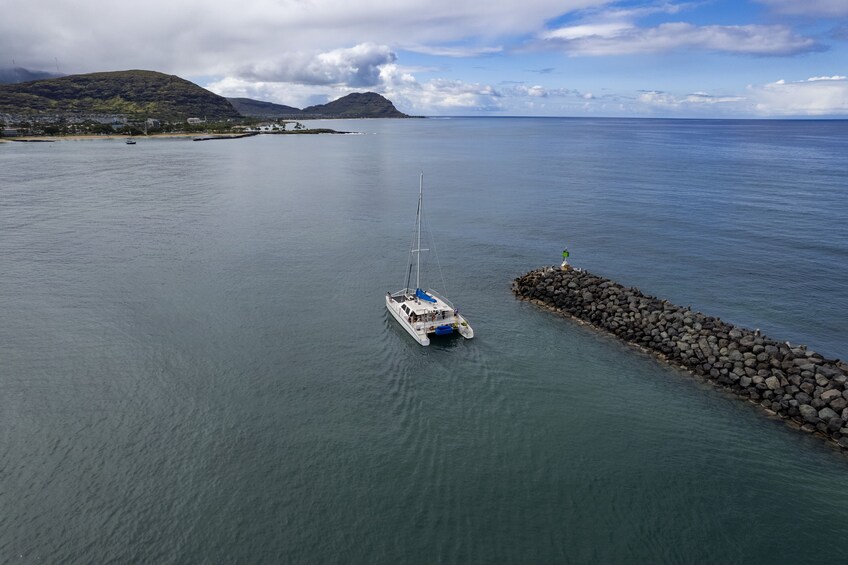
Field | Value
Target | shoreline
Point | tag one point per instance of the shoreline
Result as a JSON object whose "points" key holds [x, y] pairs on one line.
{"points": [[193, 136], [89, 137], [784, 382]]}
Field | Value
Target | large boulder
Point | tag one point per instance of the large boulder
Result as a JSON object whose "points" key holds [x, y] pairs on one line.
{"points": [[831, 394], [826, 414], [810, 415]]}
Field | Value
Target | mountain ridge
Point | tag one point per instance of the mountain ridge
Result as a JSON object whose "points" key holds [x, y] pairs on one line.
{"points": [[133, 92], [143, 93], [353, 105]]}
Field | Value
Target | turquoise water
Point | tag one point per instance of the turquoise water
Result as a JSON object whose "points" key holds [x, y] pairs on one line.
{"points": [[196, 364]]}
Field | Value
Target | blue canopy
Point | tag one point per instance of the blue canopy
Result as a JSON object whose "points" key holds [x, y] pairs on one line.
{"points": [[444, 330], [423, 295]]}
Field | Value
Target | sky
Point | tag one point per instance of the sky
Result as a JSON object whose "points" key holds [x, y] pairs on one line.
{"points": [[687, 59]]}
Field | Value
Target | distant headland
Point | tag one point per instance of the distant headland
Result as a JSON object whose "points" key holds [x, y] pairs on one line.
{"points": [[139, 101]]}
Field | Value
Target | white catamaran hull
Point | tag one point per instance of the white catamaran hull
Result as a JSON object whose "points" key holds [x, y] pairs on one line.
{"points": [[420, 336], [421, 319]]}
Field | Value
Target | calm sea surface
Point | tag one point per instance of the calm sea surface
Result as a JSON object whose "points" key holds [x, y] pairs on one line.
{"points": [[196, 364]]}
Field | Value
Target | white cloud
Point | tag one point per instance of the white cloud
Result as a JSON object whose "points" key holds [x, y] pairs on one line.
{"points": [[357, 66], [438, 51], [834, 8], [302, 52], [613, 30], [537, 91], [433, 97], [816, 96], [194, 37], [441, 96], [624, 39], [812, 97], [570, 33], [615, 13], [296, 95], [688, 102]]}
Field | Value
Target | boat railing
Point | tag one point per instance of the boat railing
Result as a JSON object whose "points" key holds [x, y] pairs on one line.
{"points": [[408, 294], [431, 325], [435, 294]]}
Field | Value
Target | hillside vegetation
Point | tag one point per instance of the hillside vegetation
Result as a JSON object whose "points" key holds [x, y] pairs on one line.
{"points": [[139, 93], [259, 109], [150, 94], [355, 105]]}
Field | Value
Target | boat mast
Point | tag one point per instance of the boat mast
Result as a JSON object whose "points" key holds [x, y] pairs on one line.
{"points": [[418, 222]]}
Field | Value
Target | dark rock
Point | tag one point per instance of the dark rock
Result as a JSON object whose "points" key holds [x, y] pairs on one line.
{"points": [[830, 395], [809, 413], [828, 371], [838, 404], [827, 413], [803, 398], [835, 424]]}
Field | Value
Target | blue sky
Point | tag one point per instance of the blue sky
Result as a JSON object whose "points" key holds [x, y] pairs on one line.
{"points": [[709, 58]]}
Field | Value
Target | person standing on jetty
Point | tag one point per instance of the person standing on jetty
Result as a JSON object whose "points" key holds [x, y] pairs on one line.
{"points": [[565, 255]]}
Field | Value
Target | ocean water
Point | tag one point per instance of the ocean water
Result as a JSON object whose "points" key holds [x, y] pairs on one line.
{"points": [[196, 364]]}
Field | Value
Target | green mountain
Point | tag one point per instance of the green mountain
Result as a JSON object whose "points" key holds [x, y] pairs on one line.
{"points": [[139, 93], [355, 105], [166, 97], [259, 109]]}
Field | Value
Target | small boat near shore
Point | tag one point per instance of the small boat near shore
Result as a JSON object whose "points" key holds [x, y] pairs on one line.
{"points": [[424, 313]]}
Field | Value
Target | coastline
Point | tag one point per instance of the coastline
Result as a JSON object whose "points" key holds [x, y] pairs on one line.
{"points": [[199, 136], [82, 137]]}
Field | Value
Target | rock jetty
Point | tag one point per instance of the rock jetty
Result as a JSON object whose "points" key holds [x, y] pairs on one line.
{"points": [[790, 382]]}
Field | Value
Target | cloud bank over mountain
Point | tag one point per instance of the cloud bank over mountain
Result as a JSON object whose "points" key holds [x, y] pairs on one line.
{"points": [[721, 58]]}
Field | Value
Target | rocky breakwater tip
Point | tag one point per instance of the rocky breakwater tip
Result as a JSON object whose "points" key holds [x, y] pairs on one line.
{"points": [[791, 382]]}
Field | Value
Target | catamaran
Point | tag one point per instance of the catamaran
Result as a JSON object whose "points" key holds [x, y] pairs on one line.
{"points": [[423, 313]]}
